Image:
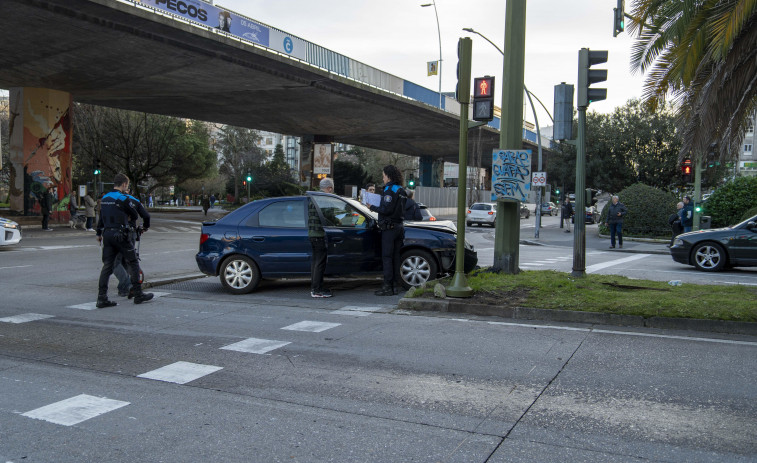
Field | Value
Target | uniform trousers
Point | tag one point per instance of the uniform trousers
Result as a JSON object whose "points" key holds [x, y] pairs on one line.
{"points": [[115, 242], [391, 243]]}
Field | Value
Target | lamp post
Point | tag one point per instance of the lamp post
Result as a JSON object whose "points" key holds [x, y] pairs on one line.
{"points": [[536, 122], [439, 31]]}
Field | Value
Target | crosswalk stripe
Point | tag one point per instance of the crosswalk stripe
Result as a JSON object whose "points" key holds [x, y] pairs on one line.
{"points": [[75, 410], [255, 346], [310, 326], [25, 317], [180, 372]]}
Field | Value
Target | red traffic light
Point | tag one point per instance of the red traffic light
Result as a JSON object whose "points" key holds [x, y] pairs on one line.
{"points": [[483, 87], [686, 166], [687, 170]]}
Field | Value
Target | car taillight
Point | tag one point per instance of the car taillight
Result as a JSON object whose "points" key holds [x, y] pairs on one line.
{"points": [[432, 219], [491, 213], [204, 237], [468, 212]]}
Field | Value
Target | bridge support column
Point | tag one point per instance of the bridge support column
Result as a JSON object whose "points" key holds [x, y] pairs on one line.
{"points": [[40, 149], [425, 170], [437, 173], [306, 161]]}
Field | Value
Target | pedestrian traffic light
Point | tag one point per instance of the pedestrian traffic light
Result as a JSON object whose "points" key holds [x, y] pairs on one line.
{"points": [[686, 170], [411, 183], [698, 207], [249, 177], [483, 98], [620, 23], [96, 168], [244, 182], [586, 59]]}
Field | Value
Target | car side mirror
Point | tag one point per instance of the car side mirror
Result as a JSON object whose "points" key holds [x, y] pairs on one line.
{"points": [[751, 225]]}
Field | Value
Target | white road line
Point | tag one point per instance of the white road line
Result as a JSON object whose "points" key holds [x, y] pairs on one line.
{"points": [[603, 265], [350, 312], [627, 333], [180, 372], [359, 308], [85, 306], [51, 248], [310, 326], [75, 410], [255, 346], [25, 317], [15, 266]]}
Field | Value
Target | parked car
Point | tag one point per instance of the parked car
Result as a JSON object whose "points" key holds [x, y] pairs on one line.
{"points": [[549, 208], [486, 213], [718, 249], [10, 232], [592, 214], [268, 238], [426, 213]]}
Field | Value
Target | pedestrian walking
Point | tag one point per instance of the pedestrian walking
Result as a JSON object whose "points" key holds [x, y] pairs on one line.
{"points": [[566, 212], [675, 223], [45, 205], [150, 202], [89, 211], [73, 206], [205, 204], [615, 221], [212, 200], [390, 216], [317, 237], [116, 232], [687, 214]]}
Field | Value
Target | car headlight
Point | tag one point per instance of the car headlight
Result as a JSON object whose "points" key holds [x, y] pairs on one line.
{"points": [[468, 245], [678, 242], [10, 225]]}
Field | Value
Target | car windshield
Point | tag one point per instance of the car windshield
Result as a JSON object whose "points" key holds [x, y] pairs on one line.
{"points": [[361, 208]]}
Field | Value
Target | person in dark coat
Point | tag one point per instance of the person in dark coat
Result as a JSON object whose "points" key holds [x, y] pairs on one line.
{"points": [[205, 204], [566, 212], [687, 214], [46, 204], [615, 216], [412, 210], [675, 223]]}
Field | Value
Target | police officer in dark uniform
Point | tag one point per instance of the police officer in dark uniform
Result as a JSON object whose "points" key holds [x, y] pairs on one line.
{"points": [[116, 231], [390, 215]]}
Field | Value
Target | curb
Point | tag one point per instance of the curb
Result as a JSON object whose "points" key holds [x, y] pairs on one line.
{"points": [[171, 280], [571, 316]]}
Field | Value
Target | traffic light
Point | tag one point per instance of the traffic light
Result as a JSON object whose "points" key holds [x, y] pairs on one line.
{"points": [[698, 207], [620, 23], [411, 183], [244, 182], [96, 168], [563, 112], [464, 52], [686, 170], [249, 177], [591, 197], [483, 98], [586, 76]]}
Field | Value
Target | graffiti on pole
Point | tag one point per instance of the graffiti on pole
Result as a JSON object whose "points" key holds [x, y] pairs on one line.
{"points": [[511, 174]]}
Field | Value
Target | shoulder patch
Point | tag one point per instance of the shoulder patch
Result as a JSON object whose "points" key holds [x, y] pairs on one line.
{"points": [[388, 198]]}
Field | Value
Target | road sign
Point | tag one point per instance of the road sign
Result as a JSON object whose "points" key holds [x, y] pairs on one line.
{"points": [[539, 179]]}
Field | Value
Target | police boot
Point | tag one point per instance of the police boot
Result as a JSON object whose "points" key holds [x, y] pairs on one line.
{"points": [[103, 302], [140, 297], [386, 290]]}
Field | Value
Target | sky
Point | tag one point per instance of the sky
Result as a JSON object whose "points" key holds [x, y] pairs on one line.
{"points": [[400, 36]]}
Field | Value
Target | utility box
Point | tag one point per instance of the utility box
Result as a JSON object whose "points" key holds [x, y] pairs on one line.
{"points": [[705, 222]]}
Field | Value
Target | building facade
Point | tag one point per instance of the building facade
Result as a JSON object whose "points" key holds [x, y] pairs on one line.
{"points": [[747, 164]]}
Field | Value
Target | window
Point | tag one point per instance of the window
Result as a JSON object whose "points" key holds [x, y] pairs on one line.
{"points": [[750, 128], [748, 149], [269, 141], [288, 214], [481, 207], [338, 213]]}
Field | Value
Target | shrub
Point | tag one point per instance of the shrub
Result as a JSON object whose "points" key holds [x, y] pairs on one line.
{"points": [[748, 214], [731, 201], [648, 211]]}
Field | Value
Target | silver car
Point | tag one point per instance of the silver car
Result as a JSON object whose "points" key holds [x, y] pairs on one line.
{"points": [[481, 214], [10, 232]]}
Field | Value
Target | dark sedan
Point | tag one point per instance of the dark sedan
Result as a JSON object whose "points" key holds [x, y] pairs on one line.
{"points": [[269, 239], [713, 250]]}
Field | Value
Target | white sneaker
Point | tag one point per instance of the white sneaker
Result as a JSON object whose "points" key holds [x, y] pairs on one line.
{"points": [[91, 229]]}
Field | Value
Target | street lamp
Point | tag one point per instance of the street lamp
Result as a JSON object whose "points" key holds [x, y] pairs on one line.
{"points": [[439, 31], [536, 122]]}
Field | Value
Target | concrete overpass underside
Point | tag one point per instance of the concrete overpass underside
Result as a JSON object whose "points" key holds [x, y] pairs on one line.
{"points": [[113, 54]]}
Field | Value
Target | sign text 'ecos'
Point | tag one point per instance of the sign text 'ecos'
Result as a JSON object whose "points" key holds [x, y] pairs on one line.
{"points": [[184, 8]]}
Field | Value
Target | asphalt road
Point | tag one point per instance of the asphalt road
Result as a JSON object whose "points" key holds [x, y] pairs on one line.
{"points": [[200, 375]]}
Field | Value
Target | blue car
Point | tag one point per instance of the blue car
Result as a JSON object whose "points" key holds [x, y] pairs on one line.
{"points": [[268, 238]]}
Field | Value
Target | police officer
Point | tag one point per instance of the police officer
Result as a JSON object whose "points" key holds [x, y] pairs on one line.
{"points": [[116, 232], [390, 214]]}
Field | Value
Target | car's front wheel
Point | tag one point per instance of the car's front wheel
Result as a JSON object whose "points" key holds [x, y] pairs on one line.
{"points": [[417, 267], [709, 257], [239, 274]]}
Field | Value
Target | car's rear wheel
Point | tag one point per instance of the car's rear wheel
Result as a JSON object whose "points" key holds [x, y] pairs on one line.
{"points": [[417, 267], [239, 274], [709, 257]]}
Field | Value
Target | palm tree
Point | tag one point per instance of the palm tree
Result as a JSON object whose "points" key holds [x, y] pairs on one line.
{"points": [[704, 53]]}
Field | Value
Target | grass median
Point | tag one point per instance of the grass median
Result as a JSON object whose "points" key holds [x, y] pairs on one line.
{"points": [[608, 294]]}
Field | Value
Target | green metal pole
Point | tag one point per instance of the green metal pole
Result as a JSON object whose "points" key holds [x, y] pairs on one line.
{"points": [[579, 230], [697, 191], [459, 286], [507, 233]]}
